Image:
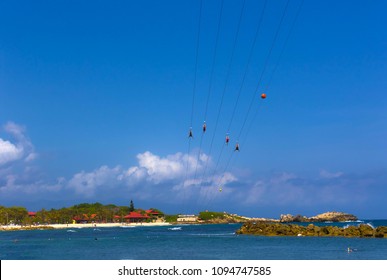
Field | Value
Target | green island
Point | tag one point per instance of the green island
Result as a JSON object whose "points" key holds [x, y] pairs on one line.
{"points": [[97, 214]]}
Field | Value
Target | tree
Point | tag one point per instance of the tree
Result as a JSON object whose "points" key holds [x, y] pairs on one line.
{"points": [[4, 216], [131, 207], [17, 214]]}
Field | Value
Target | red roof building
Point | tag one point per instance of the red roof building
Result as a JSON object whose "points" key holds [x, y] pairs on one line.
{"points": [[31, 214], [151, 212], [135, 217]]}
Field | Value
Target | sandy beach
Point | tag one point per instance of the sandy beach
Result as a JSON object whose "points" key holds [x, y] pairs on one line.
{"points": [[89, 225]]}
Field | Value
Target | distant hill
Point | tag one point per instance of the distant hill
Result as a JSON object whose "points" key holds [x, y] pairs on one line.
{"points": [[220, 218]]}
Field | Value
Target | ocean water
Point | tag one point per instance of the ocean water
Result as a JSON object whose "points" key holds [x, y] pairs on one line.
{"points": [[183, 242]]}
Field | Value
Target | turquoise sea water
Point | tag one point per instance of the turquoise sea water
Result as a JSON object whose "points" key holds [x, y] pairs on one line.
{"points": [[182, 242]]}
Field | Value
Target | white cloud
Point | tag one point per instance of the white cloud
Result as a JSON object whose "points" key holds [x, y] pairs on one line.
{"points": [[20, 149], [153, 177], [9, 152], [160, 169], [17, 174], [171, 167]]}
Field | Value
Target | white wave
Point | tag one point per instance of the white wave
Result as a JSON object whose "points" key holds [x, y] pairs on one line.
{"points": [[175, 228], [371, 225]]}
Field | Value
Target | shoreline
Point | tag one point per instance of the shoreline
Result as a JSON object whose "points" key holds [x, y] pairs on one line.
{"points": [[72, 226], [97, 225]]}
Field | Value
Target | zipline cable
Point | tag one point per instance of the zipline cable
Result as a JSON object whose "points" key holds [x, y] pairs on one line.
{"points": [[277, 63], [193, 100], [224, 90], [285, 43], [257, 31], [248, 65], [256, 90], [196, 62], [264, 68], [210, 86], [213, 60]]}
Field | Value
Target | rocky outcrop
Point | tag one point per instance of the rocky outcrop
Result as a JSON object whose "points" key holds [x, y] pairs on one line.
{"points": [[288, 218], [334, 217], [381, 232], [281, 229], [325, 217], [224, 218]]}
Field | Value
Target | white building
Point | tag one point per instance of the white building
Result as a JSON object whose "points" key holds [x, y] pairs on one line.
{"points": [[187, 218]]}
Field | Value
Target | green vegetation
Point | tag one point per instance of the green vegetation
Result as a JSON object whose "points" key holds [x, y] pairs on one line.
{"points": [[171, 218], [15, 214], [131, 207], [206, 216], [98, 213], [220, 218], [84, 212]]}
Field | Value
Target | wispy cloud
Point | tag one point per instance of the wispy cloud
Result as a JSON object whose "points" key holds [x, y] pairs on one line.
{"points": [[325, 190], [329, 175], [87, 183]]}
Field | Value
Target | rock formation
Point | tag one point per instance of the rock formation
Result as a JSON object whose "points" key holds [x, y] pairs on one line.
{"points": [[280, 229], [325, 217]]}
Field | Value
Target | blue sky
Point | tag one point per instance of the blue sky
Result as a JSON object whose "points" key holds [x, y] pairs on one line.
{"points": [[96, 101]]}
